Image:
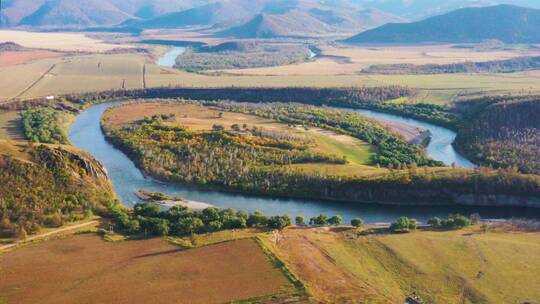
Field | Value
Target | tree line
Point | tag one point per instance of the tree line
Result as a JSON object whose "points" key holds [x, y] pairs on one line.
{"points": [[512, 65]]}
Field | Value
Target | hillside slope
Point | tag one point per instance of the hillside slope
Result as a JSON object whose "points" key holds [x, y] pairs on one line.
{"points": [[271, 26], [76, 13], [307, 22], [229, 12], [47, 185], [504, 133], [507, 23], [71, 12]]}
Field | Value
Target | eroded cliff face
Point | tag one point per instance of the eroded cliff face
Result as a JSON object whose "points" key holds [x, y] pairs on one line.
{"points": [[77, 163], [47, 186]]}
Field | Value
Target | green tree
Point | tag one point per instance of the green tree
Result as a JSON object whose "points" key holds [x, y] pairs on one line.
{"points": [[335, 220], [319, 220], [300, 220], [257, 219], [279, 222], [434, 222], [403, 224], [357, 222], [188, 225]]}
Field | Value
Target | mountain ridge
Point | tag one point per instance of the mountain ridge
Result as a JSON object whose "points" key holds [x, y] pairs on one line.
{"points": [[507, 23]]}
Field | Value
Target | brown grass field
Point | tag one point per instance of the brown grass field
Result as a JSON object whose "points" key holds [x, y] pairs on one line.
{"points": [[350, 60], [57, 41], [14, 58], [338, 67], [465, 266], [86, 269], [10, 126]]}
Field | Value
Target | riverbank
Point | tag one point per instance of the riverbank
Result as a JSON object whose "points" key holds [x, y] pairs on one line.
{"points": [[127, 179]]}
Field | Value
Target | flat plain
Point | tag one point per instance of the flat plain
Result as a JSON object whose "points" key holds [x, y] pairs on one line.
{"points": [[86, 269], [57, 41], [338, 66], [350, 60]]}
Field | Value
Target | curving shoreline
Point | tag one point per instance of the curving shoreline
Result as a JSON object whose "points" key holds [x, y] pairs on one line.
{"points": [[86, 134]]}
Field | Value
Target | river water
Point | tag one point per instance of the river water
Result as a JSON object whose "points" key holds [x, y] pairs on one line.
{"points": [[440, 146], [86, 134], [169, 59]]}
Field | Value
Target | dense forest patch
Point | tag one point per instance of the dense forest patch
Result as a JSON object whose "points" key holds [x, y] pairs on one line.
{"points": [[46, 186], [44, 125], [241, 55], [503, 133]]}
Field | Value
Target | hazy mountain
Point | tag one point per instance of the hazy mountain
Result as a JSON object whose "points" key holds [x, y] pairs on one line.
{"points": [[147, 9], [419, 9], [302, 21], [81, 13], [270, 18], [71, 12], [274, 25], [222, 12], [507, 23], [14, 11]]}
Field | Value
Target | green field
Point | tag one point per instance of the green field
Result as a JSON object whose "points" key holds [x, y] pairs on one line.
{"points": [[467, 266]]}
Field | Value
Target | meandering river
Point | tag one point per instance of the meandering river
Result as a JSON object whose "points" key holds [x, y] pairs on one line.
{"points": [[86, 134], [169, 59]]}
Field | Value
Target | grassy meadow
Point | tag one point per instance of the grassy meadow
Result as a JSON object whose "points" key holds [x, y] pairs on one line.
{"points": [[466, 266]]}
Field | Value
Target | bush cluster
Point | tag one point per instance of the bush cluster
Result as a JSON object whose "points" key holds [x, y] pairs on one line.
{"points": [[150, 220]]}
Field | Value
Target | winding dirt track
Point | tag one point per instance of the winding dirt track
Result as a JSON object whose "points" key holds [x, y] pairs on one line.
{"points": [[45, 235]]}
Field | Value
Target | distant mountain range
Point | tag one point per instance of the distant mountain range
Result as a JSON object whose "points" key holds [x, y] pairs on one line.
{"points": [[268, 19], [307, 22], [85, 13], [276, 18], [507, 23]]}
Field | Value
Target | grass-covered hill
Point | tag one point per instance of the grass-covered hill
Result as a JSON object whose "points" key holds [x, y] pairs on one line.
{"points": [[47, 186], [507, 23]]}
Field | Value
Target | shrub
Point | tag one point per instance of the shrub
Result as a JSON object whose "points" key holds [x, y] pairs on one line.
{"points": [[279, 222], [357, 222], [403, 224], [300, 220], [456, 221], [256, 219], [434, 222], [335, 220], [319, 220]]}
